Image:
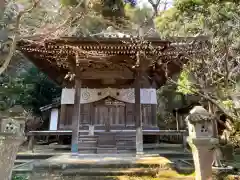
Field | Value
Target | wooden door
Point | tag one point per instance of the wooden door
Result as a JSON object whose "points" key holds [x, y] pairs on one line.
{"points": [[85, 114], [101, 114], [130, 119], [102, 117], [116, 115], [109, 115], [146, 115]]}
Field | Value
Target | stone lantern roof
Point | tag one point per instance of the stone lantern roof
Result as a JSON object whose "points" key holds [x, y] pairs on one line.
{"points": [[198, 115]]}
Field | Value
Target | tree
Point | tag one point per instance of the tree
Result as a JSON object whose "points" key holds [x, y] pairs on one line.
{"points": [[45, 21], [32, 90], [215, 75], [8, 45]]}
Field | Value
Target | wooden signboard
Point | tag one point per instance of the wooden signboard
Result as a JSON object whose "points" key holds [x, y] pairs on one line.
{"points": [[112, 102]]}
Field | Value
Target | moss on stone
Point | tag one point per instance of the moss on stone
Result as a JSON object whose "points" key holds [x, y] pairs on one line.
{"points": [[163, 175]]}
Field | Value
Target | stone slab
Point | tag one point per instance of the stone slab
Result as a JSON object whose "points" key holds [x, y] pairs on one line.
{"points": [[97, 160]]}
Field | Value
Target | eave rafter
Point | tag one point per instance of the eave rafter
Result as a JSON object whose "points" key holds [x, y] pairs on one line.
{"points": [[71, 55]]}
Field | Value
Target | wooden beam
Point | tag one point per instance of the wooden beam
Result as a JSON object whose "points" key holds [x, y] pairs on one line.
{"points": [[98, 74], [138, 115], [76, 117]]}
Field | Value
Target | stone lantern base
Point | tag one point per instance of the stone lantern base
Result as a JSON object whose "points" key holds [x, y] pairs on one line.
{"points": [[9, 145], [202, 149]]}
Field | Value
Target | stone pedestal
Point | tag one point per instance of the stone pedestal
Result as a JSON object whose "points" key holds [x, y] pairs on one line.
{"points": [[9, 145], [202, 149], [11, 137], [139, 141]]}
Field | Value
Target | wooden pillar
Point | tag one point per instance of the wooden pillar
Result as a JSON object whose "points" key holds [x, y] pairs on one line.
{"points": [[63, 116], [138, 115], [154, 109], [177, 120], [76, 116]]}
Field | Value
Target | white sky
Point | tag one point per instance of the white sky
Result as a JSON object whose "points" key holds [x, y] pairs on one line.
{"points": [[143, 3]]}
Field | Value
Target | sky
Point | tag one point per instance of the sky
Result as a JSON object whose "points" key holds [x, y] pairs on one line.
{"points": [[143, 3]]}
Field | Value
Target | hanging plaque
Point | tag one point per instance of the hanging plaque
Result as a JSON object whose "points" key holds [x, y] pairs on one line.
{"points": [[112, 102]]}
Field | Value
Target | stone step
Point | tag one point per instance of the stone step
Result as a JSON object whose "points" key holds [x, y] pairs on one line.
{"points": [[120, 164], [175, 154], [99, 165], [106, 146], [87, 150], [126, 136], [106, 150], [110, 172], [125, 133], [59, 146], [87, 144], [90, 142], [163, 146], [34, 156], [126, 148], [126, 139], [87, 139], [125, 142], [125, 151], [88, 136], [21, 161]]}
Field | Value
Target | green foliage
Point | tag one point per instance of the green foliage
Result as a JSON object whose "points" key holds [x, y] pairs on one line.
{"points": [[228, 103], [19, 178], [137, 15], [185, 5], [220, 19], [185, 86], [189, 17], [69, 2], [10, 91], [32, 90], [41, 90]]}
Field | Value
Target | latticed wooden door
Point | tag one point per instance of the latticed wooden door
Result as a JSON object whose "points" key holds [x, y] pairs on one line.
{"points": [[109, 115]]}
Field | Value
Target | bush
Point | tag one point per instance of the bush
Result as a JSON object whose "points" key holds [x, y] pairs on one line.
{"points": [[22, 177]]}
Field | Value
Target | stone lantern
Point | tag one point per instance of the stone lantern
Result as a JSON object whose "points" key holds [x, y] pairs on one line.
{"points": [[201, 140], [11, 137]]}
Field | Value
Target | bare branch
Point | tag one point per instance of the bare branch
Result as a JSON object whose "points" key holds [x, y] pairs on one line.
{"points": [[12, 49]]}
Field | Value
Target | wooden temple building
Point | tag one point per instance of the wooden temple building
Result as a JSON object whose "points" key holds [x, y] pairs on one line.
{"points": [[109, 84]]}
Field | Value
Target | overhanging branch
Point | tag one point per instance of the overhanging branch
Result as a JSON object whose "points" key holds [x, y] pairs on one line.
{"points": [[230, 116], [12, 49]]}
